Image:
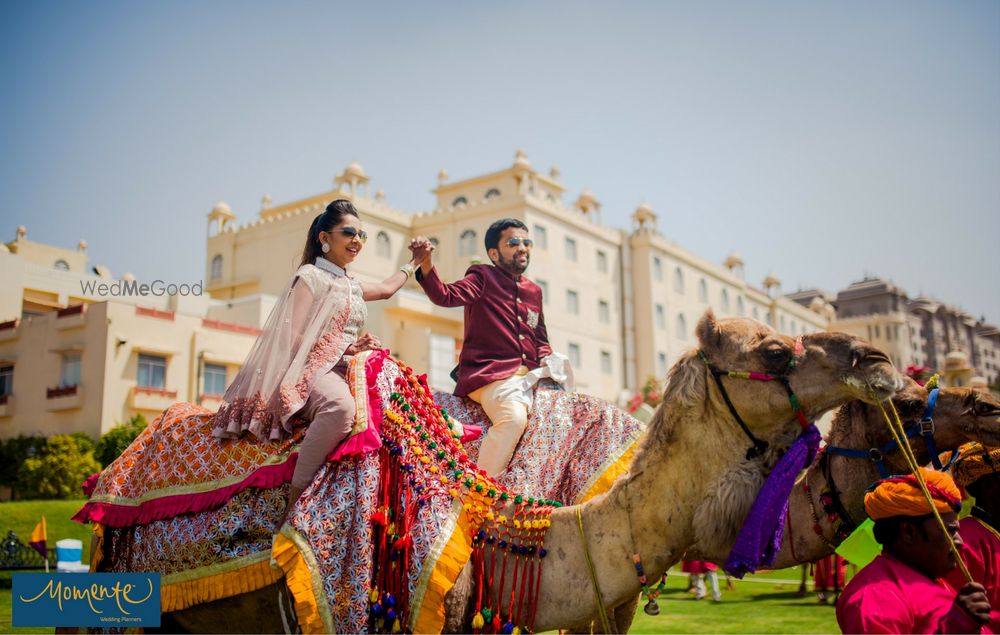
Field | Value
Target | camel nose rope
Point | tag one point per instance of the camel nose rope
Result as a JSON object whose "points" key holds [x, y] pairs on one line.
{"points": [[896, 427], [602, 610]]}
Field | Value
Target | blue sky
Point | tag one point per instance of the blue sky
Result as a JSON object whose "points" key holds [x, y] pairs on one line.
{"points": [[821, 140]]}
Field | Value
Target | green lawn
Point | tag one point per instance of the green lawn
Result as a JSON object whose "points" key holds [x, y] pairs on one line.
{"points": [[752, 607], [21, 517]]}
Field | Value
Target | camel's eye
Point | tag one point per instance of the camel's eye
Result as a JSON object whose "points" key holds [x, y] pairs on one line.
{"points": [[776, 356], [984, 408]]}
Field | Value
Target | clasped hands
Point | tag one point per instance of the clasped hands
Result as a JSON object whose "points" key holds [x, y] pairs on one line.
{"points": [[421, 248]]}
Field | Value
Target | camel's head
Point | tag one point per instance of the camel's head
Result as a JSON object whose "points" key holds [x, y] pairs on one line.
{"points": [[960, 415], [823, 369]]}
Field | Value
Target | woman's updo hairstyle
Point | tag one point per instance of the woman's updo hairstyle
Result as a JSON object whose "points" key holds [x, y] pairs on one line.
{"points": [[325, 222]]}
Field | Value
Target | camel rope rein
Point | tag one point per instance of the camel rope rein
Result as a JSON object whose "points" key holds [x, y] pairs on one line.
{"points": [[602, 610], [896, 427], [759, 446]]}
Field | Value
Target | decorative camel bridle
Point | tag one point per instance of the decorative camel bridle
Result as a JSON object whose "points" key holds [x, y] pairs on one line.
{"points": [[757, 449], [834, 510], [759, 446]]}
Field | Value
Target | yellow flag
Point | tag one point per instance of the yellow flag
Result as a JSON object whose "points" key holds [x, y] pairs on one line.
{"points": [[39, 536]]}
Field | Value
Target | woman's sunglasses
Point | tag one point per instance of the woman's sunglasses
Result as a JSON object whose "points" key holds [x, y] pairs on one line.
{"points": [[517, 242], [352, 233]]}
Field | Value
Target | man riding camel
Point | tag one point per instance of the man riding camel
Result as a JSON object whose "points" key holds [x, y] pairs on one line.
{"points": [[505, 337]]}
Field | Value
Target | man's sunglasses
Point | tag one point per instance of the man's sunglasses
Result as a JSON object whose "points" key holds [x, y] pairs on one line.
{"points": [[352, 233], [517, 242]]}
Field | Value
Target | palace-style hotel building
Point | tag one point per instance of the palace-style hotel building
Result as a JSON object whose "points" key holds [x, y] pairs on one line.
{"points": [[622, 304]]}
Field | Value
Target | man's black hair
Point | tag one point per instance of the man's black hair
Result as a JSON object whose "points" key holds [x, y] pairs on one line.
{"points": [[497, 228]]}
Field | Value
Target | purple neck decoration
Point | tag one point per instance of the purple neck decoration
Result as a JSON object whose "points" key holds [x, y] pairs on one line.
{"points": [[760, 537]]}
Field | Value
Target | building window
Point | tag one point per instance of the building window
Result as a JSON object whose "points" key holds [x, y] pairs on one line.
{"points": [[460, 200], [878, 331], [216, 271], [571, 249], [434, 241], [544, 286], [574, 355], [541, 237], [682, 329], [606, 362], [602, 262], [152, 371], [740, 309], [703, 290], [62, 265], [69, 374], [724, 301], [604, 311], [657, 269], [756, 314], [781, 321], [661, 364], [215, 379], [467, 243], [383, 247], [492, 193], [661, 317], [572, 302], [678, 280], [6, 381]]}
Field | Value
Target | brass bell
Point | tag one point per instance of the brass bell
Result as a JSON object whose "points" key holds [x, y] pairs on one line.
{"points": [[651, 608]]}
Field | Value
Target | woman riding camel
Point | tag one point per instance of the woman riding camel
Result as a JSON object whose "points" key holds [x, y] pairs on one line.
{"points": [[296, 372]]}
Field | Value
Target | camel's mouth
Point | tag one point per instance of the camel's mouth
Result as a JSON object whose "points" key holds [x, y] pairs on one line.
{"points": [[875, 387]]}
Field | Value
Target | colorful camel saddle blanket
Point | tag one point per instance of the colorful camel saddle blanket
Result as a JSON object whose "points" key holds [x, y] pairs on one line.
{"points": [[200, 510]]}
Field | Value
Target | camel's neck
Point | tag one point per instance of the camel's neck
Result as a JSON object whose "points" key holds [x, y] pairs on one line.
{"points": [[651, 512]]}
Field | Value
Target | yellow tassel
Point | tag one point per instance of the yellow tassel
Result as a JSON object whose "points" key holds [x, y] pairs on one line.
{"points": [[373, 596], [477, 621], [395, 626], [516, 631]]}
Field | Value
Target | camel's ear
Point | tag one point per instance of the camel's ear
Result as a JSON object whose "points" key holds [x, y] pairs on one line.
{"points": [[708, 331]]}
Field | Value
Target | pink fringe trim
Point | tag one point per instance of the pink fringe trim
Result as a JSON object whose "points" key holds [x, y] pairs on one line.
{"points": [[112, 515]]}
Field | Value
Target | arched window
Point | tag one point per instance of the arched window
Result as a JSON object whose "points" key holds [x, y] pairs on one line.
{"points": [[740, 309], [682, 329], [756, 314], [781, 321], [62, 265], [383, 247], [702, 290], [467, 243], [492, 193], [657, 269], [678, 280], [216, 272], [460, 200], [724, 301]]}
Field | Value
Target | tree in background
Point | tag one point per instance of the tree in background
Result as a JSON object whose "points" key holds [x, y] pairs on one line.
{"points": [[13, 452], [59, 469], [113, 442]]}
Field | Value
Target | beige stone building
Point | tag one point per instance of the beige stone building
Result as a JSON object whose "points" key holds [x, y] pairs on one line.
{"points": [[621, 304], [81, 351]]}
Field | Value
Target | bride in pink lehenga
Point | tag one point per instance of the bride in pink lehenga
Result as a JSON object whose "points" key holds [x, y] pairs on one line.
{"points": [[296, 372]]}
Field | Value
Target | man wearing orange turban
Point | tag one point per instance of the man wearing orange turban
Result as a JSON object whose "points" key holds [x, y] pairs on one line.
{"points": [[977, 471], [901, 591]]}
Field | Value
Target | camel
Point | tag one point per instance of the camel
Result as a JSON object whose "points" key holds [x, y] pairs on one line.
{"points": [[961, 415], [694, 451]]}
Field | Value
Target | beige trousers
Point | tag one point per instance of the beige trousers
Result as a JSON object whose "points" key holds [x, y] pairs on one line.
{"points": [[508, 418]]}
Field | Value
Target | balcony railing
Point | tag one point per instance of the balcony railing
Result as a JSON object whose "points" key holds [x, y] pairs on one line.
{"points": [[76, 309], [152, 399], [158, 392], [61, 391]]}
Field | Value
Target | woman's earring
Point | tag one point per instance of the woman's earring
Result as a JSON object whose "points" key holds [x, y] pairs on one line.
{"points": [[326, 248]]}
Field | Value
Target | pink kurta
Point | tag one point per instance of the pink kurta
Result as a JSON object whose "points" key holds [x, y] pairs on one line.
{"points": [[888, 596], [981, 553]]}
